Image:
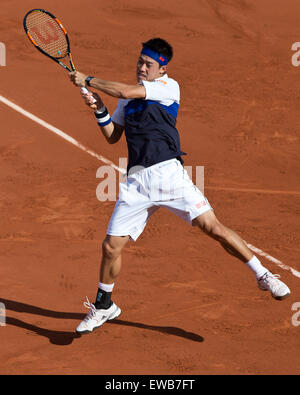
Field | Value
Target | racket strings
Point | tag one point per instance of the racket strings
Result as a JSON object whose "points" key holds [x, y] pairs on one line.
{"points": [[47, 34]]}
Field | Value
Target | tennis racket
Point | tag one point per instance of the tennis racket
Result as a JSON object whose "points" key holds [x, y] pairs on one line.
{"points": [[49, 36]]}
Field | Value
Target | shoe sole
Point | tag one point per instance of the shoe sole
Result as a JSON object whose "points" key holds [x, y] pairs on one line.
{"points": [[274, 296], [112, 317], [281, 297]]}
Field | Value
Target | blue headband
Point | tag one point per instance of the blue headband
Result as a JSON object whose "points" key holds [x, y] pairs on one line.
{"points": [[161, 59]]}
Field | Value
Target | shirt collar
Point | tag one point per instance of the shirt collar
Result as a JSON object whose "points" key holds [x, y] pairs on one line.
{"points": [[164, 77]]}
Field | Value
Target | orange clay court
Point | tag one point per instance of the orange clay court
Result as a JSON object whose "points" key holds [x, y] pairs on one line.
{"points": [[188, 307]]}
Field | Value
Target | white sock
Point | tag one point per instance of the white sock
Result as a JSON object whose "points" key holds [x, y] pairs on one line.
{"points": [[106, 287], [255, 265]]}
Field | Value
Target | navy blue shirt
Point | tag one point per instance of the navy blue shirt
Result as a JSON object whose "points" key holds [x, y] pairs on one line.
{"points": [[150, 124]]}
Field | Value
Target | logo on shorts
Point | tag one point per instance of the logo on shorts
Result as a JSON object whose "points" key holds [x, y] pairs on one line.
{"points": [[201, 204]]}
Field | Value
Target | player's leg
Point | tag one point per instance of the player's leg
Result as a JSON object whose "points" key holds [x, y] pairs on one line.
{"points": [[128, 221], [110, 268], [191, 205], [229, 240], [104, 308], [234, 245]]}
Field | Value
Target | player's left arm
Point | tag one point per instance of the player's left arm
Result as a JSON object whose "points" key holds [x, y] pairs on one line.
{"points": [[111, 88]]}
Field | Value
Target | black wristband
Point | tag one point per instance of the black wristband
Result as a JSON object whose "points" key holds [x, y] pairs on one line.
{"points": [[103, 114], [88, 79]]}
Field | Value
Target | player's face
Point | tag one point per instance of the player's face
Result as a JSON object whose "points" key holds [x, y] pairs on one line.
{"points": [[148, 69]]}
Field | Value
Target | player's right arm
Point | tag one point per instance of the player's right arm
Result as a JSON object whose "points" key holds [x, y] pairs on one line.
{"points": [[111, 130]]}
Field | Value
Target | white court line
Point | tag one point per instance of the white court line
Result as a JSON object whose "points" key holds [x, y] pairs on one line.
{"points": [[123, 171], [59, 132], [272, 259], [251, 190]]}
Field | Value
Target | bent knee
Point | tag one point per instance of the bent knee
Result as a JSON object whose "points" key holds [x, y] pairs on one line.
{"points": [[213, 228], [218, 230], [112, 248]]}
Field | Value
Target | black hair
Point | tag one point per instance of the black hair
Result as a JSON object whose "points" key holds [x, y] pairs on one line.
{"points": [[161, 46]]}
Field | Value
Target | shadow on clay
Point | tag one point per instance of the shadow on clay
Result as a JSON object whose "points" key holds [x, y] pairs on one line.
{"points": [[64, 338]]}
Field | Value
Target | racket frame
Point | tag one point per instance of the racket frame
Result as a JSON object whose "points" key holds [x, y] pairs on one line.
{"points": [[40, 49]]}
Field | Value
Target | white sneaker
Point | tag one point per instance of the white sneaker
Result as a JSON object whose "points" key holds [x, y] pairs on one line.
{"points": [[270, 282], [95, 318]]}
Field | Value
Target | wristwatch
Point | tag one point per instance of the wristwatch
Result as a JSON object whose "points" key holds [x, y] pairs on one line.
{"points": [[88, 79]]}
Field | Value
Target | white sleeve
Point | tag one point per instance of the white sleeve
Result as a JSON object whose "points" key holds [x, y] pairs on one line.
{"points": [[119, 116], [161, 90]]}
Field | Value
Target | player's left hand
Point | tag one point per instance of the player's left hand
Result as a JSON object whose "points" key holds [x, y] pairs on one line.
{"points": [[78, 78], [92, 100]]}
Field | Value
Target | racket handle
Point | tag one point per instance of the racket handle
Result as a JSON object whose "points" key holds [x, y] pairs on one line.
{"points": [[85, 92]]}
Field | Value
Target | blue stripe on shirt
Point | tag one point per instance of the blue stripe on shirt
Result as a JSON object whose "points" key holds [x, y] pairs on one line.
{"points": [[140, 105]]}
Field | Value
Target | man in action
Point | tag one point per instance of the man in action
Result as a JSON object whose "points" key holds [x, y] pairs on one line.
{"points": [[147, 112]]}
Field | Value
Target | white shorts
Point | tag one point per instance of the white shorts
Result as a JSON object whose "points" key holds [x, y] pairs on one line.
{"points": [[164, 184]]}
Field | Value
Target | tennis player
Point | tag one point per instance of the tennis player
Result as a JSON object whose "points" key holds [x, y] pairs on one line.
{"points": [[147, 112]]}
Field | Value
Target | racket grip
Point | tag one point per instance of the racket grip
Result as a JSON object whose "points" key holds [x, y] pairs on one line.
{"points": [[85, 92]]}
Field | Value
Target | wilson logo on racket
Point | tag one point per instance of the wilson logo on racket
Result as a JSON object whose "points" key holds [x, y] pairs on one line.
{"points": [[43, 34]]}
